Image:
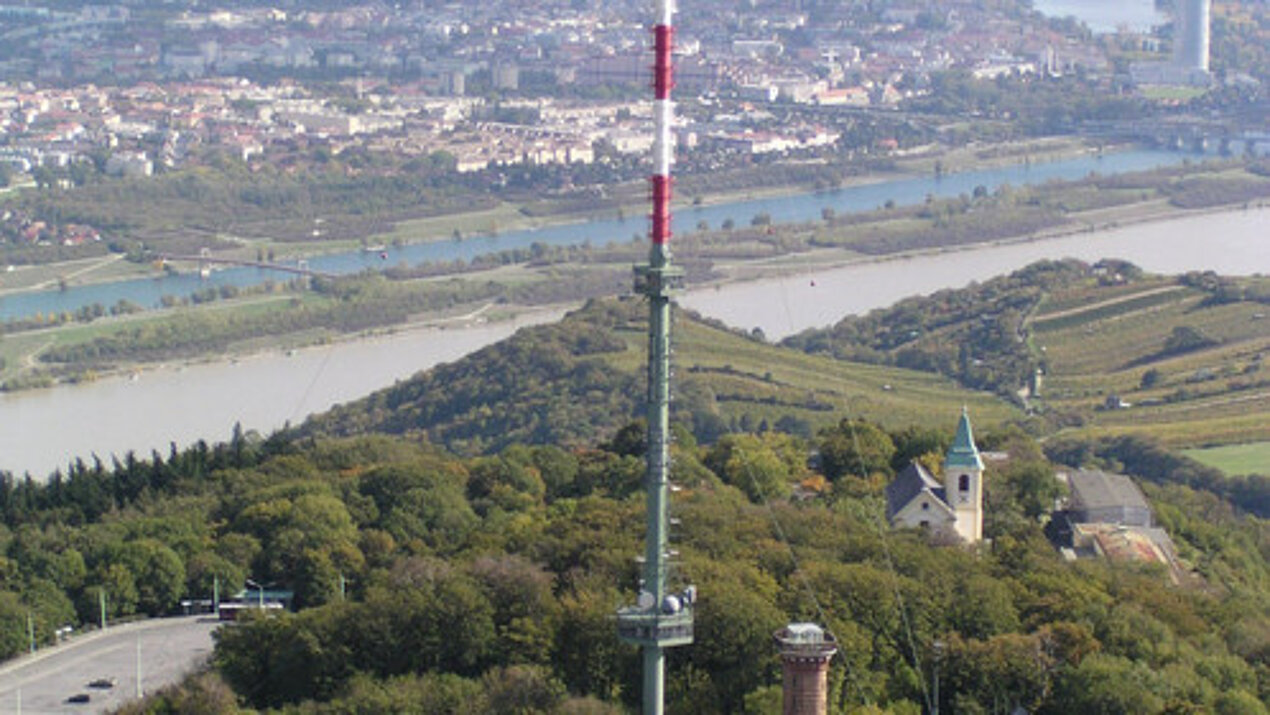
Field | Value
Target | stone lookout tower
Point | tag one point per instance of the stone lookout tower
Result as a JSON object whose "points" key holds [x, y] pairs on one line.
{"points": [[806, 650]]}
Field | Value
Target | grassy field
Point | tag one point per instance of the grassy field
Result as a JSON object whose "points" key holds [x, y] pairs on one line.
{"points": [[1236, 459], [87, 270]]}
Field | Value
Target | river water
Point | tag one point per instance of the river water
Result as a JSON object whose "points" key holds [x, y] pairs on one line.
{"points": [[44, 429], [1235, 243], [1104, 16]]}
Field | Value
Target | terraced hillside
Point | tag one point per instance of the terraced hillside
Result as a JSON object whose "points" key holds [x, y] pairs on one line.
{"points": [[1178, 358], [1090, 350]]}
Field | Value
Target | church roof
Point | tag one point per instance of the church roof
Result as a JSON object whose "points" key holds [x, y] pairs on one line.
{"points": [[963, 452], [907, 485]]}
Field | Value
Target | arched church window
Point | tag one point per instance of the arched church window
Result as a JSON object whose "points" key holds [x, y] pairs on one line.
{"points": [[964, 483]]}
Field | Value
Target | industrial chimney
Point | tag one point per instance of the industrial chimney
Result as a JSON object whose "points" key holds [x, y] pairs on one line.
{"points": [[806, 650]]}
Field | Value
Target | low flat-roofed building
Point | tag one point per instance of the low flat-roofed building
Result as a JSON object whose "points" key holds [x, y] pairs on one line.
{"points": [[1107, 516], [1100, 497]]}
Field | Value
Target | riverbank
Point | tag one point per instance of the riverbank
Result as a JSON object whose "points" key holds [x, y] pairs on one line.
{"points": [[797, 239], [819, 259], [180, 403], [786, 266], [510, 216]]}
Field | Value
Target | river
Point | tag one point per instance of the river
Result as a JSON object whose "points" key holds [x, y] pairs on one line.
{"points": [[1234, 243], [182, 403], [1103, 16], [800, 207], [45, 429]]}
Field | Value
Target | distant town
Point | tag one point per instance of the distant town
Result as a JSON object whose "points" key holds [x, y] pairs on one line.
{"points": [[145, 87]]}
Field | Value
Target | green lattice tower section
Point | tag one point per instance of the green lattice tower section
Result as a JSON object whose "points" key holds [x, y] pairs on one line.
{"points": [[662, 616]]}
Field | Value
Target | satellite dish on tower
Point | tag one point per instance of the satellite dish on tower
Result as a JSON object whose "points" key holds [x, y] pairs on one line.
{"points": [[646, 600]]}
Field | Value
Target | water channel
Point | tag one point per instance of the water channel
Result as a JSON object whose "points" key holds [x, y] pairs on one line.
{"points": [[803, 207]]}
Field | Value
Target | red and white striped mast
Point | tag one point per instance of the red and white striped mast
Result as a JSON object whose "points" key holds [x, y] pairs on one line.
{"points": [[663, 117], [660, 618]]}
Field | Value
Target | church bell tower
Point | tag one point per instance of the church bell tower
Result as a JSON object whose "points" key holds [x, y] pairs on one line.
{"points": [[963, 482]]}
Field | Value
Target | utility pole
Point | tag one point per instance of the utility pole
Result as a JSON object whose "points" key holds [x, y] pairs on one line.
{"points": [[659, 619], [140, 692], [30, 630], [101, 602]]}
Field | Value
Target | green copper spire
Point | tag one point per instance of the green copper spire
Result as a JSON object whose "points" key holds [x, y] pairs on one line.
{"points": [[963, 452]]}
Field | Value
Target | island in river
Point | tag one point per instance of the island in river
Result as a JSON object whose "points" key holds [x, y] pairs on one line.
{"points": [[179, 403]]}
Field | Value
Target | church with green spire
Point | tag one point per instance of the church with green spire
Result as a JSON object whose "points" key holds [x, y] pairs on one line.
{"points": [[953, 507]]}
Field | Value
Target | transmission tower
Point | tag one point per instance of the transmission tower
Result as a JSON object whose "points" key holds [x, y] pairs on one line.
{"points": [[661, 618]]}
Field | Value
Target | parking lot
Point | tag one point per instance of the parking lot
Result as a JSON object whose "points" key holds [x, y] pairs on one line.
{"points": [[145, 655]]}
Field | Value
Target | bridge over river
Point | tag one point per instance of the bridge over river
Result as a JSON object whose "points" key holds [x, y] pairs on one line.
{"points": [[206, 260]]}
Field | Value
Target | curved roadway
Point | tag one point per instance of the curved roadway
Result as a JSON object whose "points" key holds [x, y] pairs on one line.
{"points": [[136, 656]]}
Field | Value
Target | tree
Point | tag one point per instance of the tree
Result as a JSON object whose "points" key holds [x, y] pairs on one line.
{"points": [[1003, 671], [732, 652], [983, 608], [118, 585], [521, 690], [1184, 338], [926, 444], [159, 575], [506, 484], [588, 655], [761, 466], [206, 570], [525, 610], [271, 661], [1150, 379], [199, 694], [44, 177], [13, 630], [1034, 486], [1106, 684], [855, 447]]}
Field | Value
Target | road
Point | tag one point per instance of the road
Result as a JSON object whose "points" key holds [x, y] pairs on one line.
{"points": [[168, 649]]}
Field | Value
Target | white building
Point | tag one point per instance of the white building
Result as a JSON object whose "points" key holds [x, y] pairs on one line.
{"points": [[915, 499], [131, 164]]}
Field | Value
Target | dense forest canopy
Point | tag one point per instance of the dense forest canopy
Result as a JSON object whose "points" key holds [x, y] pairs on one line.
{"points": [[493, 579]]}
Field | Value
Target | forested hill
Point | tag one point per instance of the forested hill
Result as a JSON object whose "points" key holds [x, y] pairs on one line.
{"points": [[579, 380], [489, 584], [544, 385]]}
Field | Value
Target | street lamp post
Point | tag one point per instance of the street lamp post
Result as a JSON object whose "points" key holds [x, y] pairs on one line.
{"points": [[260, 593], [938, 652]]}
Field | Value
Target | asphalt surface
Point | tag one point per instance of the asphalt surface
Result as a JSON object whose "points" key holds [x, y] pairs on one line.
{"points": [[169, 648]]}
